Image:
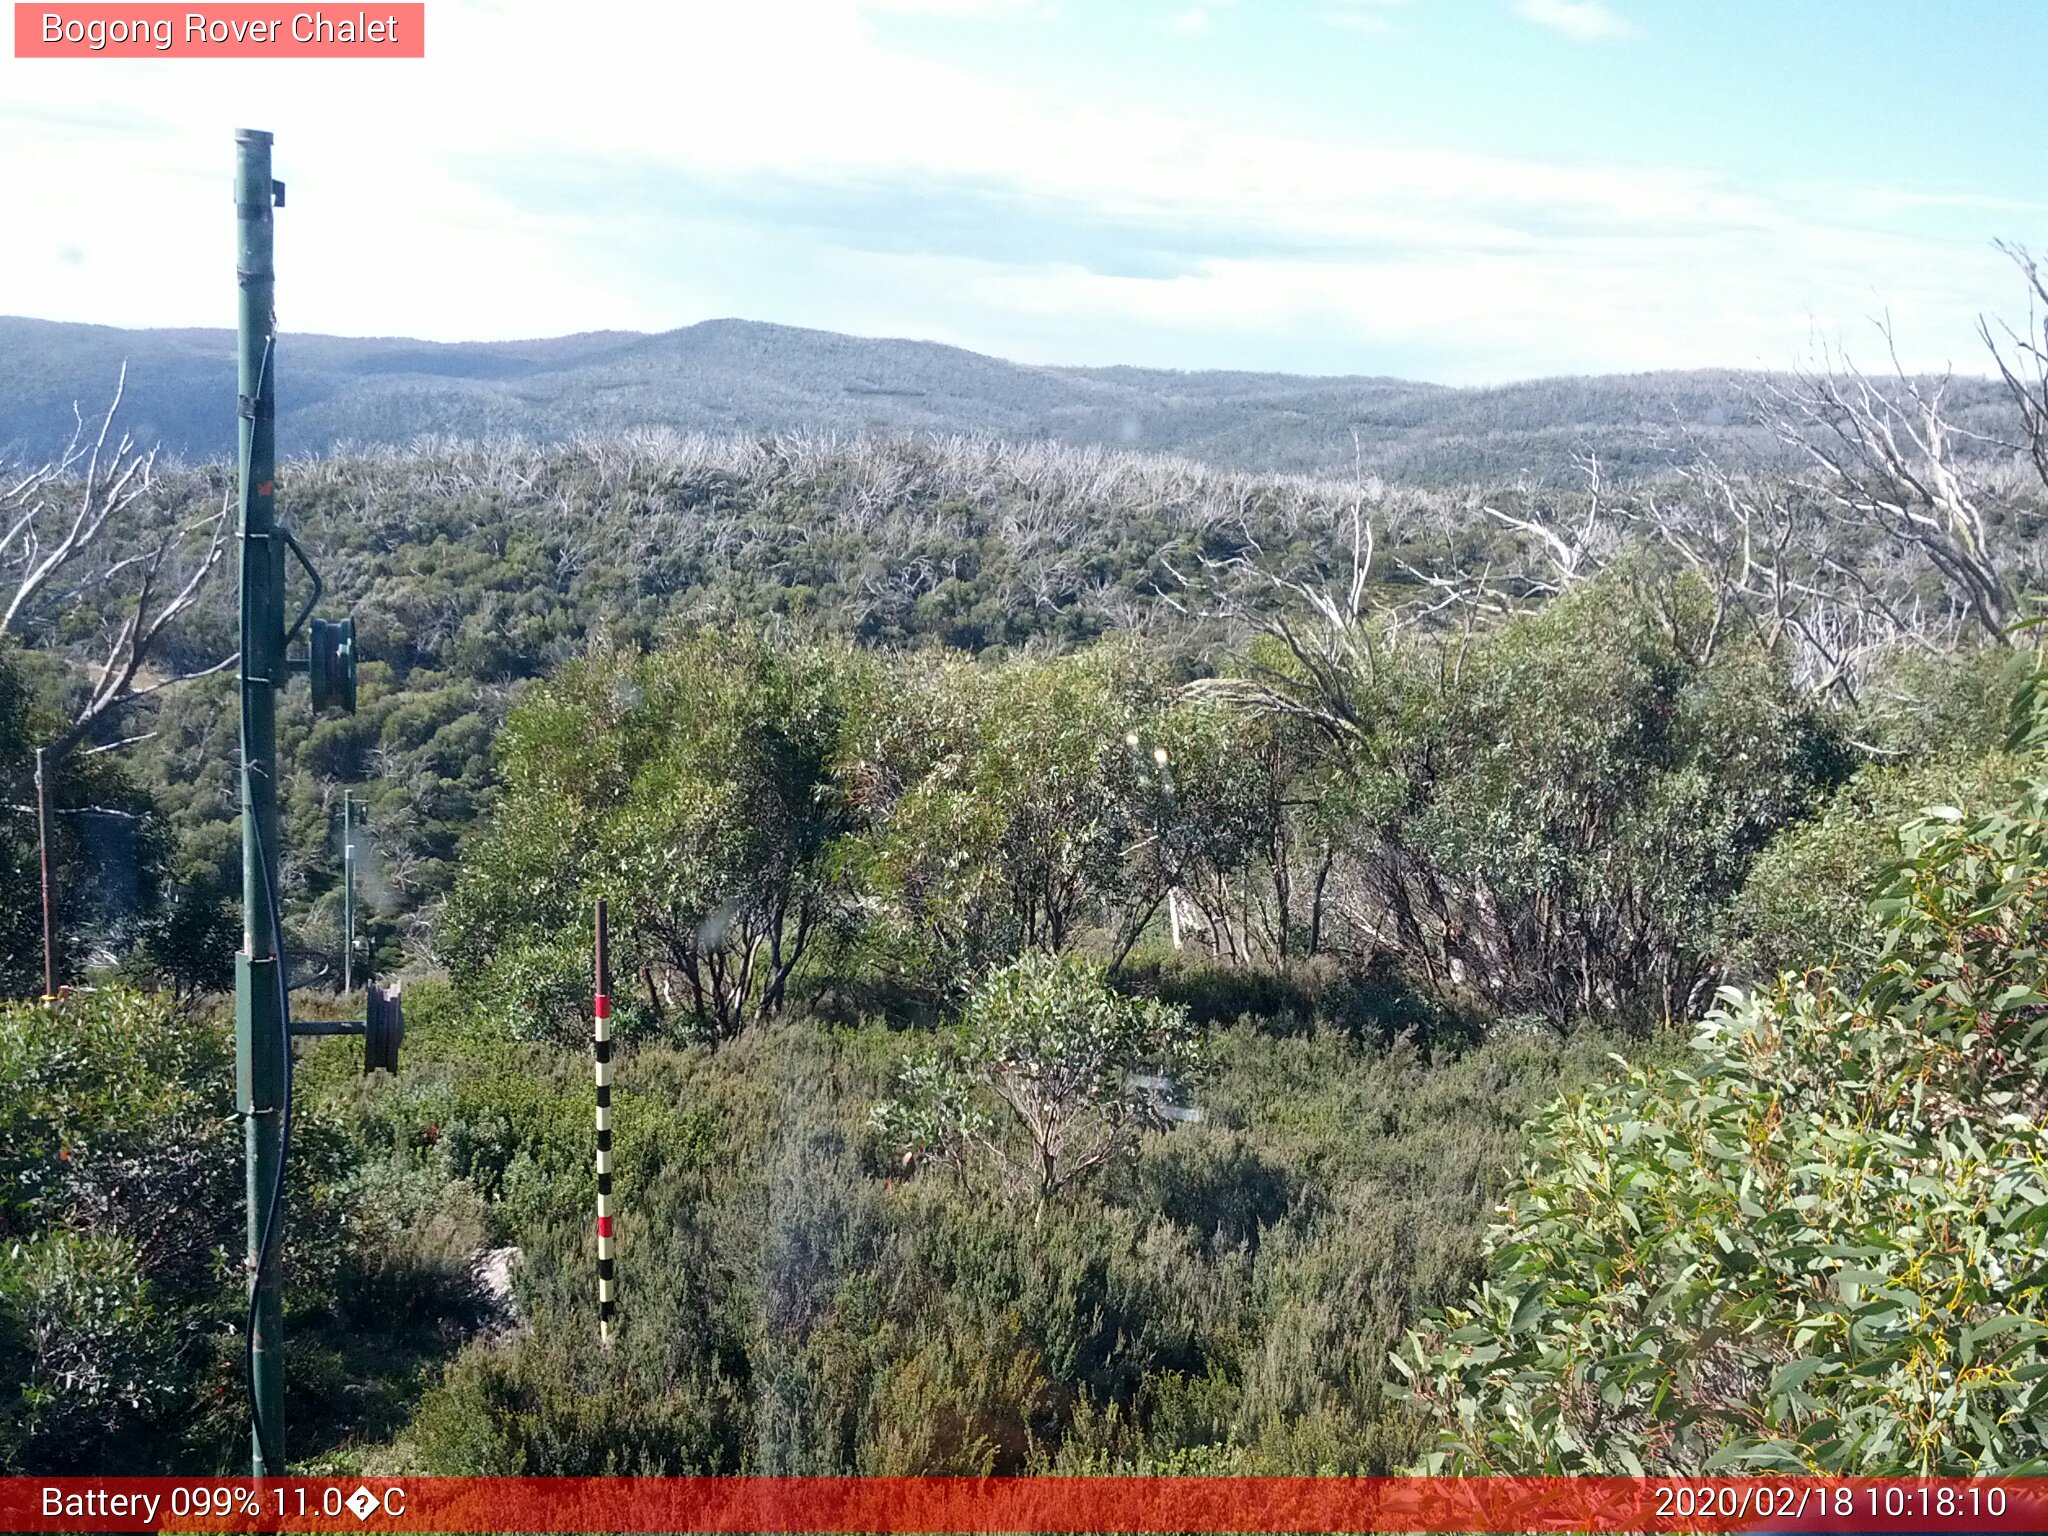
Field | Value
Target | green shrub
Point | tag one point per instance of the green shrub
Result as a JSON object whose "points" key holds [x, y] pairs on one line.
{"points": [[119, 1208], [694, 789], [114, 1118], [1950, 704], [122, 1227], [1815, 1249], [1551, 814], [96, 1357], [1806, 901], [1050, 1077]]}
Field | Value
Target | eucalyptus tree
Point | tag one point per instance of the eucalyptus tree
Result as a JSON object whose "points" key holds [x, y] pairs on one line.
{"points": [[695, 789], [1014, 826]]}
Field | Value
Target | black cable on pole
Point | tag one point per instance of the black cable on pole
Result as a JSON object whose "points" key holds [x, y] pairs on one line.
{"points": [[275, 1203]]}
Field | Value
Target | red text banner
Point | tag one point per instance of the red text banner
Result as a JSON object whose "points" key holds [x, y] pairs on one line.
{"points": [[102, 31], [1026, 1504]]}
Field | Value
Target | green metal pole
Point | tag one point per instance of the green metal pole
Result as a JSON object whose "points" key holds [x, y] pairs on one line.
{"points": [[260, 1046]]}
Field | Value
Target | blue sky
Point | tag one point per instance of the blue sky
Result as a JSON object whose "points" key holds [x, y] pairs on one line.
{"points": [[1458, 190]]}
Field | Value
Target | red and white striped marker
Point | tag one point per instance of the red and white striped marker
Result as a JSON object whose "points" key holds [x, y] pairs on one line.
{"points": [[602, 1017]]}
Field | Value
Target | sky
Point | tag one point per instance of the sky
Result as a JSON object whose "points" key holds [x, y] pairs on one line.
{"points": [[1463, 191]]}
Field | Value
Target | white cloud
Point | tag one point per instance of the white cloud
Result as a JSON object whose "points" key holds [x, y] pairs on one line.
{"points": [[1195, 21], [1586, 20]]}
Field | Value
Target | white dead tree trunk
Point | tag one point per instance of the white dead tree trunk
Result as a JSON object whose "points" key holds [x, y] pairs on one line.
{"points": [[1892, 465], [1334, 652], [76, 531], [2024, 369]]}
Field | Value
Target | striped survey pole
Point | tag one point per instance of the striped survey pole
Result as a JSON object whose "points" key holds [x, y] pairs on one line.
{"points": [[602, 1016]]}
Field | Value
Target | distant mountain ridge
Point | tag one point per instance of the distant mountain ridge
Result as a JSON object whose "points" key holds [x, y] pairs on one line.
{"points": [[744, 376]]}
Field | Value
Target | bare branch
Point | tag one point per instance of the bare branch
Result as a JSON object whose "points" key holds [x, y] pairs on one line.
{"points": [[130, 558]]}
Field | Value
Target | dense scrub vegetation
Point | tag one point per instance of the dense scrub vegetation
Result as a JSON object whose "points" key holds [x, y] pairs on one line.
{"points": [[1087, 940], [475, 570], [1226, 1296], [823, 1269], [1817, 1246], [907, 823], [795, 1300], [121, 1240], [1221, 1294]]}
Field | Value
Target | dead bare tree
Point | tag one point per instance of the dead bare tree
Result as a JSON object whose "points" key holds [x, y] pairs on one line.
{"points": [[76, 531], [2025, 371], [1559, 544], [1835, 562], [105, 490], [1333, 653], [1572, 546], [1892, 464], [1766, 554]]}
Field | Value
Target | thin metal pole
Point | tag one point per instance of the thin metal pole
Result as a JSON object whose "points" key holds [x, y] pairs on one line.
{"points": [[260, 1047], [601, 1012], [43, 851]]}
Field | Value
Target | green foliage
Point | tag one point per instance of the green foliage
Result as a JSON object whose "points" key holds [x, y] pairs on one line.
{"points": [[1818, 1247], [120, 1201], [1387, 903], [535, 986], [751, 806], [1240, 819], [1552, 814], [112, 1115], [1002, 805], [1050, 1077], [91, 1352], [477, 570], [108, 848], [791, 1302], [694, 789], [1951, 704], [1806, 900], [121, 1234], [1940, 724]]}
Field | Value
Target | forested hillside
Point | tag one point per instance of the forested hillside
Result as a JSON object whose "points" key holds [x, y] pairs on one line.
{"points": [[1089, 932], [473, 571], [726, 376]]}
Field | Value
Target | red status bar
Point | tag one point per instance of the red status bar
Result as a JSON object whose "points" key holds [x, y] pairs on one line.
{"points": [[1025, 1504]]}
